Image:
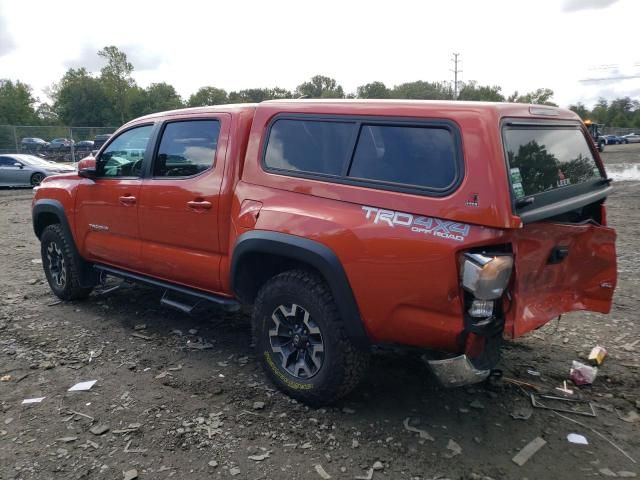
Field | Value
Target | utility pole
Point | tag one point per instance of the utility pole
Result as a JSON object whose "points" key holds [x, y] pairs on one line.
{"points": [[455, 71]]}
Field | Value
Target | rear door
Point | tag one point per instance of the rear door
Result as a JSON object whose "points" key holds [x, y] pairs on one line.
{"points": [[565, 257], [179, 202], [107, 208], [10, 174]]}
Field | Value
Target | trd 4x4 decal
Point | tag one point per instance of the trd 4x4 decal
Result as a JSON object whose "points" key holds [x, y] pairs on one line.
{"points": [[427, 225]]}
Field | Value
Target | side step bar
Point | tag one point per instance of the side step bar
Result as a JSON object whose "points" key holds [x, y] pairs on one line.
{"points": [[227, 303]]}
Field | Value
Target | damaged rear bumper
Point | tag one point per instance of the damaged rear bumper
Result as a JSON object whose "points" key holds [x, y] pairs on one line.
{"points": [[456, 371]]}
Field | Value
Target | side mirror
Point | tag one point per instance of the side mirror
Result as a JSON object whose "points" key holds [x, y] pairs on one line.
{"points": [[19, 165], [87, 168]]}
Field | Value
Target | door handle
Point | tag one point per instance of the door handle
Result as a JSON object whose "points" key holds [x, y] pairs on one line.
{"points": [[199, 205], [127, 200]]}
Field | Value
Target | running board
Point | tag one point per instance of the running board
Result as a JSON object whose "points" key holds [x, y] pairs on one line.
{"points": [[228, 303]]}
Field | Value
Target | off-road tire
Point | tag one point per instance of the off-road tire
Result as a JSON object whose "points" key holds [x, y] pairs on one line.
{"points": [[343, 365], [54, 240]]}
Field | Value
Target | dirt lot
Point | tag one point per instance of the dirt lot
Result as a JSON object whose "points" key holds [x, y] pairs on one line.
{"points": [[181, 396]]}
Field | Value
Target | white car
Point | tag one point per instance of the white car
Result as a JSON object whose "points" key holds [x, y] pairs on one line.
{"points": [[17, 170], [632, 138]]}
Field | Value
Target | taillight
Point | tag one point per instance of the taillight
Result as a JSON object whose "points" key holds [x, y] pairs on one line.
{"points": [[485, 277]]}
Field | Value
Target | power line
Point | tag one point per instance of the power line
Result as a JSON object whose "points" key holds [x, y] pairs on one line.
{"points": [[608, 79], [455, 71]]}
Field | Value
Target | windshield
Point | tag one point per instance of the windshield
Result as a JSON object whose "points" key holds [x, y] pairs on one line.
{"points": [[543, 159]]}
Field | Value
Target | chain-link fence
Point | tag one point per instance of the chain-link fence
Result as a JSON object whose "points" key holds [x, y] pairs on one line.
{"points": [[58, 143], [619, 131]]}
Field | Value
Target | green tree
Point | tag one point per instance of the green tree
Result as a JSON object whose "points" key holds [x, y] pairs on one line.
{"points": [[582, 111], [485, 93], [540, 96], [320, 87], [373, 90], [80, 99], [257, 95], [116, 76], [421, 90], [16, 103], [208, 96], [157, 97]]}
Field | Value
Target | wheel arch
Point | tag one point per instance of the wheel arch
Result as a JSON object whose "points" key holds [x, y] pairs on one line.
{"points": [[259, 255], [47, 212]]}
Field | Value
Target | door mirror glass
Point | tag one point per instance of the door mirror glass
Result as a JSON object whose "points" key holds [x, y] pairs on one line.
{"points": [[17, 164]]}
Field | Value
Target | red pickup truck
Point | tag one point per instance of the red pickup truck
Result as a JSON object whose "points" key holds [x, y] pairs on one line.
{"points": [[441, 225]]}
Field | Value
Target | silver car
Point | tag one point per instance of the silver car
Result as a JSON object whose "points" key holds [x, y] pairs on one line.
{"points": [[23, 170], [631, 138]]}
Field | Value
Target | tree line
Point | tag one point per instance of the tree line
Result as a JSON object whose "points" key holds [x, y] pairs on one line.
{"points": [[113, 97]]}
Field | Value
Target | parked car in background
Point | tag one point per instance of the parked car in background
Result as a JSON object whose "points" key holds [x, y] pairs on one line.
{"points": [[60, 144], [614, 140], [84, 146], [23, 170], [100, 140], [631, 138], [33, 143]]}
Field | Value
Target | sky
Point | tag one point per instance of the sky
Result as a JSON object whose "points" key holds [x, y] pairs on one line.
{"points": [[517, 44]]}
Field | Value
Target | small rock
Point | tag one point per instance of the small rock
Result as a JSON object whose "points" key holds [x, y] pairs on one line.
{"points": [[130, 474], [631, 417], [349, 411], [67, 439], [140, 326], [260, 457], [454, 449], [607, 472], [234, 471], [355, 443], [213, 463], [33, 281], [625, 474], [193, 331], [322, 472], [477, 405], [377, 466], [523, 413], [100, 430], [47, 365], [258, 405]]}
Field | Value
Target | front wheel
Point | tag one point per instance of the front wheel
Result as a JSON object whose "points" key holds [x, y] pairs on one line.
{"points": [[301, 340], [60, 266], [36, 179]]}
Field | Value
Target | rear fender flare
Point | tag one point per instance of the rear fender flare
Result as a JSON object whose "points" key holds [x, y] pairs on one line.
{"points": [[315, 254]]}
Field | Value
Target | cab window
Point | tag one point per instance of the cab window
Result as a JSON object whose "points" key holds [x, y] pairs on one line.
{"points": [[124, 156]]}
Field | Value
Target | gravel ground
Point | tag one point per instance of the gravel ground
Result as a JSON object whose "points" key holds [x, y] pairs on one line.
{"points": [[181, 396]]}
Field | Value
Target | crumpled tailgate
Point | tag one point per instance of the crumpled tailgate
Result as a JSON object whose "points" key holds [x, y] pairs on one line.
{"points": [[560, 268]]}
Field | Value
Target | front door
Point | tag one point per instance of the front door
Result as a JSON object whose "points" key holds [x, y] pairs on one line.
{"points": [[11, 173], [107, 207], [179, 202]]}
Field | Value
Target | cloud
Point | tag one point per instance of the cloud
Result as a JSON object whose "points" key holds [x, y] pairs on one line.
{"points": [[136, 54], [88, 58], [7, 44], [141, 58], [576, 5]]}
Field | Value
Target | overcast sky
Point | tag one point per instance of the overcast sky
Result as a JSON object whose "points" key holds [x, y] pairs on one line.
{"points": [[520, 45]]}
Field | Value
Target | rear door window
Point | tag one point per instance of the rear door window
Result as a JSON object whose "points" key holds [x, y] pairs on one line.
{"points": [[187, 148], [545, 159]]}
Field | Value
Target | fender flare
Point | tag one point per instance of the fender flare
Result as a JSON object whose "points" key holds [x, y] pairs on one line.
{"points": [[88, 277], [319, 256]]}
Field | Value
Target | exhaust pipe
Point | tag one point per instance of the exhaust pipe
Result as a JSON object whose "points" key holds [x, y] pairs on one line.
{"points": [[456, 372]]}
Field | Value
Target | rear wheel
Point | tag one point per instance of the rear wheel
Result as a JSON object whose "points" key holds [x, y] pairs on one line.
{"points": [[36, 178], [301, 340], [60, 266]]}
